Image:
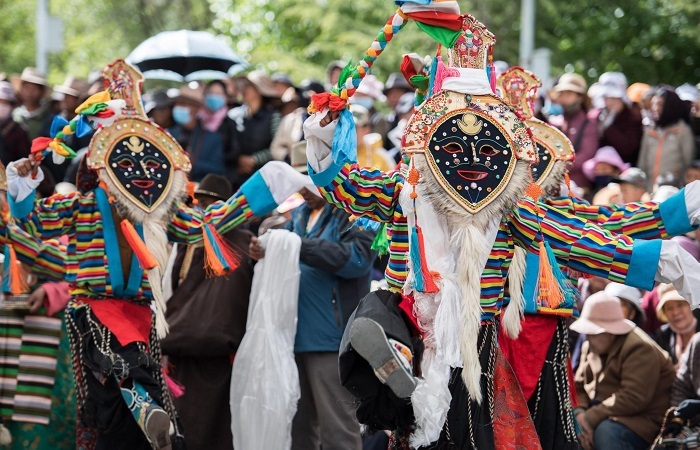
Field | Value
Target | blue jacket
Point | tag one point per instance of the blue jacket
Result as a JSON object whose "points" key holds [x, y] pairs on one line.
{"points": [[204, 148], [335, 263]]}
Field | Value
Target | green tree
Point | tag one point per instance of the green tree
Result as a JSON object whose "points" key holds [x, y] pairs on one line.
{"points": [[16, 35]]}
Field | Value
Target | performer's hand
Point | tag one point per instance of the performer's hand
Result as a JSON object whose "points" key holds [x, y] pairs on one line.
{"points": [[330, 117], [586, 435], [27, 166], [36, 299], [255, 250]]}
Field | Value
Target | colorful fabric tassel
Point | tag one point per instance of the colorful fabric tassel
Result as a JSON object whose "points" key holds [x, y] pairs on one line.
{"points": [[18, 276], [146, 259], [424, 281], [219, 256], [381, 241], [554, 288], [176, 389]]}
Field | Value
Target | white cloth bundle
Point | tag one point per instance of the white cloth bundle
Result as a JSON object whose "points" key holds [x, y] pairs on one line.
{"points": [[265, 380]]}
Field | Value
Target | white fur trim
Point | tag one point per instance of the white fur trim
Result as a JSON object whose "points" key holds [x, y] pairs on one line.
{"points": [[157, 242], [516, 277], [5, 436]]}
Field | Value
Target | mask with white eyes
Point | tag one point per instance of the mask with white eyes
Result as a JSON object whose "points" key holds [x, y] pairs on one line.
{"points": [[141, 169]]}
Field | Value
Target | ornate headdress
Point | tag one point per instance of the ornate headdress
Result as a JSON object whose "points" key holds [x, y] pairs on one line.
{"points": [[518, 87]]}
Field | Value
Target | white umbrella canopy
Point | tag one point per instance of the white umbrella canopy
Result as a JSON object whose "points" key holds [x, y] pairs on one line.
{"points": [[186, 55]]}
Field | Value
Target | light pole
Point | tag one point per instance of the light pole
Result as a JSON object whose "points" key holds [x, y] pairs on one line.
{"points": [[527, 32], [42, 20]]}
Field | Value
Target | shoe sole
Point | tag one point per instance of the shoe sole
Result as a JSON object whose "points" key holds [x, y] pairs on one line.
{"points": [[365, 335], [158, 430]]}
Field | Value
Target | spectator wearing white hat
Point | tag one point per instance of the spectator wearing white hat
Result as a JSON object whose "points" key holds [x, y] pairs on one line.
{"points": [[34, 112], [630, 300], [624, 379], [681, 321], [619, 122], [633, 182]]}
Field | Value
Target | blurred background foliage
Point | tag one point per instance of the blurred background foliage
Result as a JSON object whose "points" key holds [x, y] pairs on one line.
{"points": [[649, 40]]}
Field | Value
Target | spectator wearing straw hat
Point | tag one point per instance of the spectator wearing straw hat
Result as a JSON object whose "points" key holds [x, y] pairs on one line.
{"points": [[578, 122], [620, 124], [34, 112], [624, 379], [681, 322], [256, 123], [14, 138], [204, 147]]}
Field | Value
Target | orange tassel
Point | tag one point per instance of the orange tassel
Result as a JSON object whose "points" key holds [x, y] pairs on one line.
{"points": [[534, 191], [219, 257], [550, 293], [567, 180], [103, 185], [146, 259], [18, 276], [190, 192]]}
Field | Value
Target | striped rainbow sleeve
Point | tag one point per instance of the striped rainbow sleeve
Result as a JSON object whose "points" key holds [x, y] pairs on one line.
{"points": [[186, 224], [361, 191], [585, 246], [45, 258], [47, 218], [644, 220]]}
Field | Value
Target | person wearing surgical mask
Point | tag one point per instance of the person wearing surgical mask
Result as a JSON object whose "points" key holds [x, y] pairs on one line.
{"points": [[204, 147], [368, 95], [14, 138]]}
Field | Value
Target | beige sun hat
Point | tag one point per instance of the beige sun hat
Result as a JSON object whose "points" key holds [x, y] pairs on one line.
{"points": [[667, 293], [571, 82], [602, 313]]}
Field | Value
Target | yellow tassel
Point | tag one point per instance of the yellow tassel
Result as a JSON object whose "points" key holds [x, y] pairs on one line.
{"points": [[100, 97], [18, 276], [549, 292]]}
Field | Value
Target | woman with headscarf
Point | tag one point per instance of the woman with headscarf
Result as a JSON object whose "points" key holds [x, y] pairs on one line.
{"points": [[668, 146]]}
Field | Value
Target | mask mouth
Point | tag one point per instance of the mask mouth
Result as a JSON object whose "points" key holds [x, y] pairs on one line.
{"points": [[472, 175], [143, 184]]}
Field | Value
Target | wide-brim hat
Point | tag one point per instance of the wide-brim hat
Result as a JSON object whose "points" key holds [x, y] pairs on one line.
{"points": [[396, 80], [606, 155], [263, 84], [571, 82], [626, 293], [75, 87], [156, 99], [634, 176], [187, 94], [31, 75], [216, 186], [667, 293], [602, 313]]}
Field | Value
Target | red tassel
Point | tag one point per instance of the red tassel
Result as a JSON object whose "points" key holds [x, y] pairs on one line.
{"points": [[18, 276], [146, 259], [429, 285], [219, 257]]}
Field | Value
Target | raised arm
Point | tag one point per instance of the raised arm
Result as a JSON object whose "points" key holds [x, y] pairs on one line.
{"points": [[359, 191], [647, 220], [263, 192], [586, 247]]}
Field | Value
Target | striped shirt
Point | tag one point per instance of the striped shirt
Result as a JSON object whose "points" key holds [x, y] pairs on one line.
{"points": [[576, 243]]}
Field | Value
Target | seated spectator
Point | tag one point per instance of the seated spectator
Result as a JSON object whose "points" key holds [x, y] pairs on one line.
{"points": [[370, 151], [14, 138], [633, 182], [669, 146], [620, 124], [204, 147], [623, 382], [630, 300], [681, 322], [692, 173]]}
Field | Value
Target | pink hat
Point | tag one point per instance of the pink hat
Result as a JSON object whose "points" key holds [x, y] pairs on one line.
{"points": [[688, 245], [602, 313], [606, 155]]}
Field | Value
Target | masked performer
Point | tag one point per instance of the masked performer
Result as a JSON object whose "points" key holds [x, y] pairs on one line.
{"points": [[539, 356], [453, 221], [118, 229]]}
